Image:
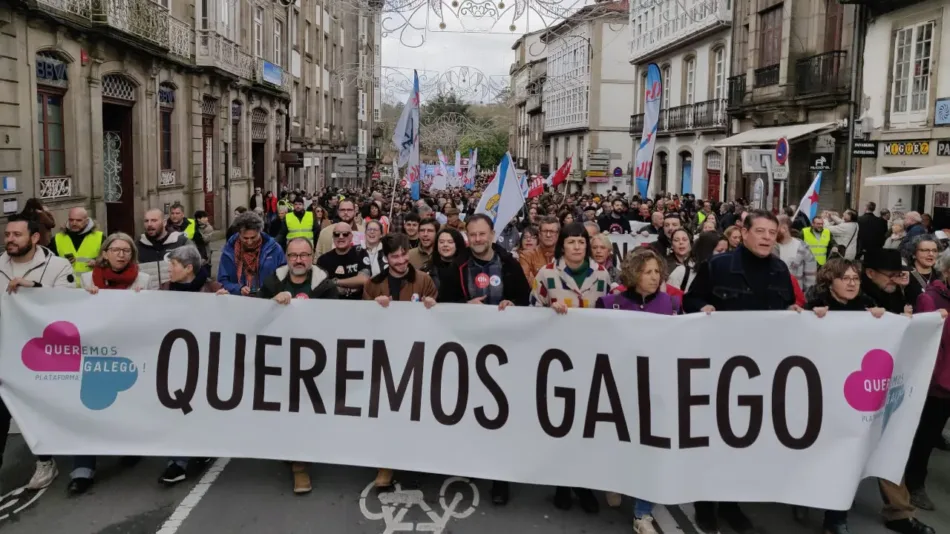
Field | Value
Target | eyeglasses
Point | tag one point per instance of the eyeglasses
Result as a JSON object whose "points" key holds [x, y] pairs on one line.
{"points": [[927, 250], [120, 251], [341, 234], [850, 279], [301, 256]]}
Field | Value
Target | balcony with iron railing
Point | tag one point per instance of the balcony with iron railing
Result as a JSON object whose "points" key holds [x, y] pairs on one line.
{"points": [[215, 51], [766, 76], [636, 125], [56, 187], [141, 19], [81, 9], [689, 24], [822, 74], [708, 115], [737, 89], [181, 39]]}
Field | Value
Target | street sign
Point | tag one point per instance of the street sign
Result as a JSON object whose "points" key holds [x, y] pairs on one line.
{"points": [[820, 162], [780, 174], [618, 172], [781, 151], [864, 149], [943, 148], [376, 175], [753, 160]]}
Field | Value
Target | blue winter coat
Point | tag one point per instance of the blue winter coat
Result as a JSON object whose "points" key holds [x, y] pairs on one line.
{"points": [[272, 257]]}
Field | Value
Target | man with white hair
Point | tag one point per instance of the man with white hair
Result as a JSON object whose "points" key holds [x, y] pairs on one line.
{"points": [[913, 227]]}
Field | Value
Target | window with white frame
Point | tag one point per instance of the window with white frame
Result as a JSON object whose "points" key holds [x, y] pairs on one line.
{"points": [[913, 55], [665, 101], [719, 73], [278, 33], [259, 31], [689, 69], [294, 15]]}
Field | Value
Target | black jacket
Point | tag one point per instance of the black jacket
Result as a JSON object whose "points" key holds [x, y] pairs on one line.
{"points": [[722, 282], [515, 285], [872, 232], [321, 287]]}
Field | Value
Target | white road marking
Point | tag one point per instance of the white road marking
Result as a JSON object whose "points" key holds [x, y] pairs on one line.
{"points": [[15, 494], [665, 520], [174, 522]]}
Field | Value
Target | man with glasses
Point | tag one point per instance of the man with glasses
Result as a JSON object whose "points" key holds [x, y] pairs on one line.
{"points": [[347, 213], [299, 279], [533, 260], [346, 264], [884, 280]]}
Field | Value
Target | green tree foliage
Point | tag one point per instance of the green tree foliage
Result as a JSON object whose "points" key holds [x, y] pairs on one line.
{"points": [[490, 150], [443, 104]]}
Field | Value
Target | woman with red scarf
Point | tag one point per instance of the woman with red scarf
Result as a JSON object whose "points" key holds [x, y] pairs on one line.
{"points": [[117, 266]]}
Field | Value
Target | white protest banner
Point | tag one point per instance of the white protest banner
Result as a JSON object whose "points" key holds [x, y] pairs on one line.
{"points": [[625, 243], [664, 408]]}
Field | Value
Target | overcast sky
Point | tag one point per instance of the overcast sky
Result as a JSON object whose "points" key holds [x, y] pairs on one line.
{"points": [[467, 41]]}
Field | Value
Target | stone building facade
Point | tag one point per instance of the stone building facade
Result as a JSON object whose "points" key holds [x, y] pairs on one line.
{"points": [[124, 105]]}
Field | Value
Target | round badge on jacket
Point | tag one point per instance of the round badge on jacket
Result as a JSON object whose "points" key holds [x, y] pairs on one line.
{"points": [[302, 296], [495, 280], [481, 281]]}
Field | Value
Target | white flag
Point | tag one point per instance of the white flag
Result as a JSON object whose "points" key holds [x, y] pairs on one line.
{"points": [[502, 198], [406, 134]]}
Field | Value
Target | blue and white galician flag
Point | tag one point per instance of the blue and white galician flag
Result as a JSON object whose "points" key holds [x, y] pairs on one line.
{"points": [[523, 183], [406, 134], [652, 97], [502, 198], [809, 203], [472, 170]]}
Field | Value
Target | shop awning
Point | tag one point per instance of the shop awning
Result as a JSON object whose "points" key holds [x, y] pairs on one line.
{"points": [[768, 136], [936, 175]]}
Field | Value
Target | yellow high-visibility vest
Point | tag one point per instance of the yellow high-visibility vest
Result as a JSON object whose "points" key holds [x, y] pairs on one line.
{"points": [[299, 227], [701, 217], [88, 251], [818, 245], [190, 229]]}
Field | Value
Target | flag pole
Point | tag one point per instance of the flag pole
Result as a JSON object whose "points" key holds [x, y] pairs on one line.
{"points": [[392, 199]]}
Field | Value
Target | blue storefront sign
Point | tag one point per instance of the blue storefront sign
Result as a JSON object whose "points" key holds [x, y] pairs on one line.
{"points": [[272, 74]]}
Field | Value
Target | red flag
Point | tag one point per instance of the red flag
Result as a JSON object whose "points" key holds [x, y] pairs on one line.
{"points": [[560, 176], [536, 187]]}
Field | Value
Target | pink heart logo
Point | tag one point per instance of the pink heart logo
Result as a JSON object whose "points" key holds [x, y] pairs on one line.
{"points": [[58, 350], [866, 389]]}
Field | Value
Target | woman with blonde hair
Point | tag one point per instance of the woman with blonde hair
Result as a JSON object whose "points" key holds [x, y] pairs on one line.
{"points": [[117, 266]]}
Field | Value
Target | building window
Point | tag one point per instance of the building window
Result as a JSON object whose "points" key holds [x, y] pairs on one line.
{"points": [[293, 27], [689, 80], [166, 105], [770, 36], [49, 114], [665, 101], [278, 31], [642, 97], [306, 38], [913, 52], [259, 32], [236, 112], [719, 73]]}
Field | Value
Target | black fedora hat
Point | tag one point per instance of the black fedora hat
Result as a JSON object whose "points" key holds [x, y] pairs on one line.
{"points": [[885, 259]]}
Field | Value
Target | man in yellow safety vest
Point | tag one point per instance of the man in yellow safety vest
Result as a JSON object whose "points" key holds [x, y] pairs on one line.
{"points": [[818, 239], [178, 223], [299, 223], [79, 242]]}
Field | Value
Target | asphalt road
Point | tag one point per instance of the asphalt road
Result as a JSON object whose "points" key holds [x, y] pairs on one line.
{"points": [[240, 496]]}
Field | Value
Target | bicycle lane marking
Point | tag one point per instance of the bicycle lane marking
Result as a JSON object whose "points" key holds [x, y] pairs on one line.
{"points": [[395, 505], [190, 502]]}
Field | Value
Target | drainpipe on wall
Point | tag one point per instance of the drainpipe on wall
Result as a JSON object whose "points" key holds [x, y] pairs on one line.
{"points": [[857, 57]]}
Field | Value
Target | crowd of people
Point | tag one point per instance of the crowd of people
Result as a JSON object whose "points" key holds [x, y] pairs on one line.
{"points": [[360, 245]]}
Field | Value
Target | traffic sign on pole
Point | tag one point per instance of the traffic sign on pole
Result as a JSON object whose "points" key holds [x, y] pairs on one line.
{"points": [[781, 151]]}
